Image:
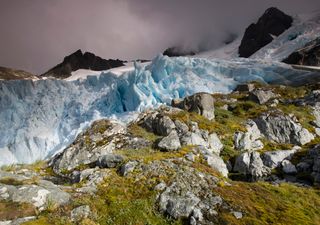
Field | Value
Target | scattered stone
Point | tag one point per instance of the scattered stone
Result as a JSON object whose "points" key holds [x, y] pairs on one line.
{"points": [[181, 127], [237, 215], [170, 142], [80, 213], [109, 161], [159, 124], [214, 143], [201, 103]]}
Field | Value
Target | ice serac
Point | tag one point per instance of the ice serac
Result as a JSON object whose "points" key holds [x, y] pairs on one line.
{"points": [[39, 118]]}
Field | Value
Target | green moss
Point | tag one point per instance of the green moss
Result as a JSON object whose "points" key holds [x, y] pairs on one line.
{"points": [[149, 154], [125, 201], [139, 131], [264, 203]]}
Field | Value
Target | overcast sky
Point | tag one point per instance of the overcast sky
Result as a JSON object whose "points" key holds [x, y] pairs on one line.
{"points": [[37, 34]]}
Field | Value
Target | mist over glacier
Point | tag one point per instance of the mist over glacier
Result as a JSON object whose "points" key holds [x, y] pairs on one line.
{"points": [[39, 118]]}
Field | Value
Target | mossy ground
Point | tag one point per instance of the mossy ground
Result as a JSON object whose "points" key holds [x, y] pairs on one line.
{"points": [[265, 204]]}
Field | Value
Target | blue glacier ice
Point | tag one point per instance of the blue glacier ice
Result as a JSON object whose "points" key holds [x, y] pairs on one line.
{"points": [[39, 118]]}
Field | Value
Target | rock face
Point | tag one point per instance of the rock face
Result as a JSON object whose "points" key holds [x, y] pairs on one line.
{"points": [[245, 87], [311, 164], [201, 103], [273, 22], [38, 195], [78, 60], [98, 140], [280, 128], [309, 55], [251, 165], [249, 140], [261, 96], [175, 52], [273, 159], [288, 167]]}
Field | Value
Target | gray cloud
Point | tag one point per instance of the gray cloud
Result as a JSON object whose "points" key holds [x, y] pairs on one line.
{"points": [[36, 34]]}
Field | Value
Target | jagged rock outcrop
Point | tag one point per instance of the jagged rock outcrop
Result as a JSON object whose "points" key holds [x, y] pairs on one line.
{"points": [[249, 140], [281, 128], [158, 123], [251, 165], [288, 167], [272, 23], [201, 103], [273, 159], [175, 52], [109, 161], [13, 74], [97, 141], [309, 55], [245, 87], [78, 60]]}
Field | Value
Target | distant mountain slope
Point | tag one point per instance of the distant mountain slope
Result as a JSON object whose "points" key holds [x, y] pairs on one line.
{"points": [[78, 60], [12, 74]]}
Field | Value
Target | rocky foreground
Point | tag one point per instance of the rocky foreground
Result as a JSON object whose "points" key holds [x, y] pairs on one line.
{"points": [[249, 157]]}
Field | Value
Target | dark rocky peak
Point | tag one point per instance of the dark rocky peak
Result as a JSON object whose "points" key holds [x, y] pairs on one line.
{"points": [[78, 60], [177, 51], [272, 23]]}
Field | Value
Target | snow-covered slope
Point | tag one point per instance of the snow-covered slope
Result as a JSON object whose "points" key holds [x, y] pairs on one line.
{"points": [[305, 28], [39, 118]]}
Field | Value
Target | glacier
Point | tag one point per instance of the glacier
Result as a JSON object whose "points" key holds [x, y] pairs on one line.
{"points": [[40, 118]]}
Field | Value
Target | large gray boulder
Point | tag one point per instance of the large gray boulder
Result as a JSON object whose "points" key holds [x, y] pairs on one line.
{"points": [[273, 159], [158, 123], [201, 103], [170, 142], [249, 140], [251, 165], [280, 128], [261, 96]]}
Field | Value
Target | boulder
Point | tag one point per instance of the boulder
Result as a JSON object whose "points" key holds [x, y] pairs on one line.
{"points": [[280, 128], [181, 127], [128, 168], [273, 159], [159, 124], [201, 103], [249, 140], [272, 23], [288, 167], [109, 161], [217, 163], [170, 142], [251, 165], [261, 96]]}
